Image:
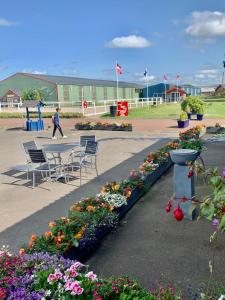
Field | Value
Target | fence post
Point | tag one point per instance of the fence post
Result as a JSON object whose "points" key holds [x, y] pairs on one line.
{"points": [[95, 109]]}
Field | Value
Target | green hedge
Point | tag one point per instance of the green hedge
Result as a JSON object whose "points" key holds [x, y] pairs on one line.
{"points": [[17, 115]]}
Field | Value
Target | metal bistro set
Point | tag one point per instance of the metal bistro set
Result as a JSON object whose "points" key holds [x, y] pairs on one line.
{"points": [[49, 161]]}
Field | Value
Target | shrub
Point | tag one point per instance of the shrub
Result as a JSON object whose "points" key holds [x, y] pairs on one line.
{"points": [[193, 104], [183, 116]]}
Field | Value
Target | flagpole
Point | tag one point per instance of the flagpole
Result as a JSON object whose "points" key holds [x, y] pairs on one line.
{"points": [[117, 86], [165, 90], [177, 90]]}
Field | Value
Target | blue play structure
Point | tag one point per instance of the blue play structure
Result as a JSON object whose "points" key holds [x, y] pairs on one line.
{"points": [[34, 125]]}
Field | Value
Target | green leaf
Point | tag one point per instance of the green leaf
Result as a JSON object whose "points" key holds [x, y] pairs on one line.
{"points": [[75, 242], [207, 211], [222, 223]]}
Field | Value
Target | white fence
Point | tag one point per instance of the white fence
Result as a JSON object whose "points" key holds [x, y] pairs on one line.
{"points": [[103, 106]]}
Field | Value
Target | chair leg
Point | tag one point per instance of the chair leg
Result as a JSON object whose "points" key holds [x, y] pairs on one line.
{"points": [[96, 166], [33, 179]]}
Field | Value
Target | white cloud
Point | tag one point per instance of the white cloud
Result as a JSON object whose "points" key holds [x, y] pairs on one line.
{"points": [[209, 71], [131, 41], [208, 74], [205, 24], [34, 71], [199, 76], [148, 78], [5, 22]]}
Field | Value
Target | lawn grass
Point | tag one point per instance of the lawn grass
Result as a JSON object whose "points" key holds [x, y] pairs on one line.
{"points": [[17, 115], [213, 110]]}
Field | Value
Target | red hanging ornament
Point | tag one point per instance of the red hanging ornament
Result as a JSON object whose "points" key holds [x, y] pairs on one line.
{"points": [[168, 207], [178, 214], [190, 174]]}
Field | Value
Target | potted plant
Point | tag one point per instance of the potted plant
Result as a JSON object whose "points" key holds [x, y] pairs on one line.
{"points": [[183, 121], [186, 107], [193, 105], [200, 113]]}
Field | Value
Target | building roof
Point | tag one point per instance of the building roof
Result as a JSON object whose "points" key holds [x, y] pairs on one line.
{"points": [[68, 80], [175, 89]]}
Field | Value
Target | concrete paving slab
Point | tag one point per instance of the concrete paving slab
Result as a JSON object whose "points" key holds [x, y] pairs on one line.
{"points": [[152, 246]]}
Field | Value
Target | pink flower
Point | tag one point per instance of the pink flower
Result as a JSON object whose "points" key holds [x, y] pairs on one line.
{"points": [[91, 276], [77, 265], [51, 278], [77, 290], [58, 274], [68, 285]]}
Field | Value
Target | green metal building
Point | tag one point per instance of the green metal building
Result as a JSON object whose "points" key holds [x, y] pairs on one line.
{"points": [[66, 89]]}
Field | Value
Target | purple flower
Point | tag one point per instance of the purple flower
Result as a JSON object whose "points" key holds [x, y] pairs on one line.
{"points": [[215, 222]]}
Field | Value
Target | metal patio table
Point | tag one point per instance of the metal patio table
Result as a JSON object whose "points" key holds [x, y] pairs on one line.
{"points": [[58, 150]]}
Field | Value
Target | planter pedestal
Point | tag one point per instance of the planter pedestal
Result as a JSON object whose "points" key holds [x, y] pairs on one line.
{"points": [[184, 186]]}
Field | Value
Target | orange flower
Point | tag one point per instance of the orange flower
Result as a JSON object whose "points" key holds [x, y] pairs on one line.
{"points": [[30, 245], [22, 251], [128, 194], [47, 234], [33, 238], [111, 208], [90, 208], [78, 236], [51, 224]]}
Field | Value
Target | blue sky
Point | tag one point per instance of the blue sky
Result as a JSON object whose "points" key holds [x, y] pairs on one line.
{"points": [[86, 38]]}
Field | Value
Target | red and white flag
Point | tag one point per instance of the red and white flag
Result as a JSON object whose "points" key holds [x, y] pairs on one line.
{"points": [[165, 77], [118, 69], [178, 77]]}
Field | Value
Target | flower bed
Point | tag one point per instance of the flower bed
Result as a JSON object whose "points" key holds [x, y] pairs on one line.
{"points": [[41, 276], [88, 220], [103, 126]]}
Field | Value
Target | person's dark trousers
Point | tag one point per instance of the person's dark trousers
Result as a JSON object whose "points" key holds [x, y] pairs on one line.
{"points": [[59, 128]]}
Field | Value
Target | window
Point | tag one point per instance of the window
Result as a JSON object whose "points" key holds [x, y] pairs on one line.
{"points": [[132, 93], [115, 92], [94, 93], [124, 93], [80, 93], [105, 93], [66, 94]]}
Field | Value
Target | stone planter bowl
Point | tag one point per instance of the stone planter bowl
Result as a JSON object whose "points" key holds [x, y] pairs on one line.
{"points": [[182, 156]]}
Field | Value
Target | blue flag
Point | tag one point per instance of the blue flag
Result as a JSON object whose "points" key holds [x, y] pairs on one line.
{"points": [[145, 73]]}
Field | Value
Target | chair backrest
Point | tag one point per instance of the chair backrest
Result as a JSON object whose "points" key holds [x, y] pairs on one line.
{"points": [[85, 138], [91, 148], [37, 156], [29, 145]]}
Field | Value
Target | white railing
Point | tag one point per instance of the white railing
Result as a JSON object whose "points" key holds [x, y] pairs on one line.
{"points": [[102, 106]]}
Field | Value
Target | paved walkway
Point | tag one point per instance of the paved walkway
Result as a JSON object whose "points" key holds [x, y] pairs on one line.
{"points": [[37, 222], [139, 125], [152, 246]]}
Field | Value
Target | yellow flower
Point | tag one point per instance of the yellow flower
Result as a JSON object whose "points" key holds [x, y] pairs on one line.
{"points": [[116, 187], [90, 208], [78, 236], [51, 224]]}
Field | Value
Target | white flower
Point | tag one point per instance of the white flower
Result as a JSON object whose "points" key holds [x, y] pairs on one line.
{"points": [[116, 200], [222, 297], [48, 293]]}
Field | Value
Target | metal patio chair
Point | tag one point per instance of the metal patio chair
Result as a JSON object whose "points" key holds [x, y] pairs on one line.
{"points": [[86, 159], [40, 163], [27, 167]]}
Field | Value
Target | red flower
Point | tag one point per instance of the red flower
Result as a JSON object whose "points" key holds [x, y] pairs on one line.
{"points": [[168, 207], [178, 213], [190, 174]]}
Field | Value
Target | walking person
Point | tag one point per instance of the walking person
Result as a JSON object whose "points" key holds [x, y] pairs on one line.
{"points": [[55, 121]]}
